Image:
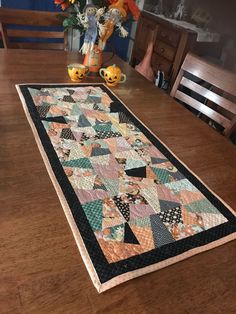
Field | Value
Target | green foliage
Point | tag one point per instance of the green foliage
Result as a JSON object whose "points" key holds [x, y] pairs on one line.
{"points": [[70, 21]]}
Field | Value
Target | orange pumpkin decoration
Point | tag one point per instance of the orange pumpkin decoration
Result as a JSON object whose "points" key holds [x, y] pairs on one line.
{"points": [[77, 72], [112, 75]]}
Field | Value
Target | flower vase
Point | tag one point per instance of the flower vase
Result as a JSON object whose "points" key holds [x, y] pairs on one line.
{"points": [[93, 60]]}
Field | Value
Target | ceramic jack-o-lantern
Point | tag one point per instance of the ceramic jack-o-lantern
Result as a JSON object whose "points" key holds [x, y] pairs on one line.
{"points": [[112, 75], [77, 72]]}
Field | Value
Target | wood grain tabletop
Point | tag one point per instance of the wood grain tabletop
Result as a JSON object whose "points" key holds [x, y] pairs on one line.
{"points": [[41, 270]]}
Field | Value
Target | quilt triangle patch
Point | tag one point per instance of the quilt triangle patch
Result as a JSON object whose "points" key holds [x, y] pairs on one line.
{"points": [[103, 127], [111, 185], [68, 98], [80, 163], [161, 235], [114, 106], [94, 98], [98, 185], [70, 91], [129, 236], [75, 111], [93, 211], [136, 172], [131, 163], [67, 134], [83, 121], [55, 119], [43, 110], [123, 207], [171, 216], [98, 151], [165, 205], [123, 118], [163, 176], [156, 160]]}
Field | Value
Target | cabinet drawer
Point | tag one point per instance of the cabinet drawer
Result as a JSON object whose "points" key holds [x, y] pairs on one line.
{"points": [[169, 36], [165, 50], [159, 63], [145, 32]]}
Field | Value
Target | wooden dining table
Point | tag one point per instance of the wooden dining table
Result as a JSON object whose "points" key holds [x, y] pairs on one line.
{"points": [[41, 270]]}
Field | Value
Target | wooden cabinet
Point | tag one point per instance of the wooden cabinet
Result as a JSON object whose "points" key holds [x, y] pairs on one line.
{"points": [[145, 31], [171, 43]]}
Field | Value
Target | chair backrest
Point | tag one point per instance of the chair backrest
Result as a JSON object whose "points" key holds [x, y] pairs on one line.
{"points": [[25, 38], [209, 89]]}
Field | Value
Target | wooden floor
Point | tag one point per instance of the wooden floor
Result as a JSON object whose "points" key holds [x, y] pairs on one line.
{"points": [[41, 270]]}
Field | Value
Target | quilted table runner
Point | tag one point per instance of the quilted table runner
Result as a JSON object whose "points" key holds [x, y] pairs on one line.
{"points": [[132, 205]]}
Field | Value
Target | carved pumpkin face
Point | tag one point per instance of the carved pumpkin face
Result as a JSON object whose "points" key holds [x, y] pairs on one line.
{"points": [[77, 72], [112, 75]]}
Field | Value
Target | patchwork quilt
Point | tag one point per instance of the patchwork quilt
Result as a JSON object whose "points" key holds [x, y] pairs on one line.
{"points": [[132, 205]]}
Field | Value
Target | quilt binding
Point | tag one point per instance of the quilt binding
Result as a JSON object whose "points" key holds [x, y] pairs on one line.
{"points": [[101, 287]]}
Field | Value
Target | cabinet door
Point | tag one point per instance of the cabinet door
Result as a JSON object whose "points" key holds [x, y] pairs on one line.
{"points": [[147, 30]]}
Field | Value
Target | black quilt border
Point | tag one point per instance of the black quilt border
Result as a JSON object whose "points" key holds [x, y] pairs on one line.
{"points": [[106, 271]]}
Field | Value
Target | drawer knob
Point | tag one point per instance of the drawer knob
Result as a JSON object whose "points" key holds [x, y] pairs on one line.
{"points": [[162, 50]]}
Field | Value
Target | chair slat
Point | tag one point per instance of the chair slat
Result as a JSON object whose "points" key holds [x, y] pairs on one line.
{"points": [[46, 46], [203, 109], [206, 93], [211, 73], [33, 34], [28, 17]]}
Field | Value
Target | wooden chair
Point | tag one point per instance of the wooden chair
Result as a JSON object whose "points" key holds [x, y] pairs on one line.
{"points": [[218, 97], [32, 19]]}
